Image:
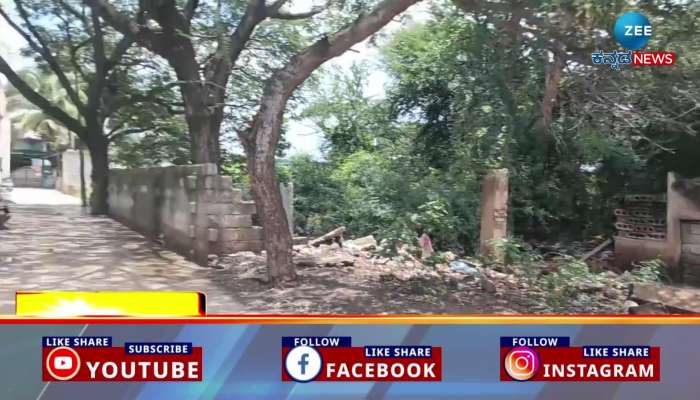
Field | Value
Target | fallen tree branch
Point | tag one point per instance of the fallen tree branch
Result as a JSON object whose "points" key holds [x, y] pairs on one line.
{"points": [[330, 236], [597, 249]]}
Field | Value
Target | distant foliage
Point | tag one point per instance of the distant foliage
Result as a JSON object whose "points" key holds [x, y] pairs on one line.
{"points": [[464, 97]]}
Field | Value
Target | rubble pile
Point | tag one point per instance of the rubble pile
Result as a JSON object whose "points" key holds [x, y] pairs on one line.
{"points": [[444, 282]]}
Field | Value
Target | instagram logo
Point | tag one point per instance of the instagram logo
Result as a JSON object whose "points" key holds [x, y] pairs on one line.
{"points": [[521, 363]]}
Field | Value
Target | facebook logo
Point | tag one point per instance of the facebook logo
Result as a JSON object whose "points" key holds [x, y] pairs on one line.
{"points": [[303, 363]]}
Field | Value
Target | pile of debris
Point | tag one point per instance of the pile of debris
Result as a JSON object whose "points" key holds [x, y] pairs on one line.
{"points": [[330, 250], [361, 256], [419, 274]]}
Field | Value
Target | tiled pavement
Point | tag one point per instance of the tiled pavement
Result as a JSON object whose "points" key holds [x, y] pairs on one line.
{"points": [[60, 247]]}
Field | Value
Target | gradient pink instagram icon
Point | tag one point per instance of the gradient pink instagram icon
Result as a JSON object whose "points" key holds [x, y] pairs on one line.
{"points": [[521, 363]]}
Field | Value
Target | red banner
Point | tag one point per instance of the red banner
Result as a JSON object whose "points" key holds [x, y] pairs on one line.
{"points": [[113, 364], [350, 364], [653, 58], [569, 364]]}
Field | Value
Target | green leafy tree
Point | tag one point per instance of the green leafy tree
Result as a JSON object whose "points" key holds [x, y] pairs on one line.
{"points": [[69, 41], [348, 120], [473, 94], [220, 54], [478, 90]]}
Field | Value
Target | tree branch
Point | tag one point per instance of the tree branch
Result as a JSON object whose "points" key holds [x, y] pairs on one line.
{"points": [[40, 101], [190, 9], [115, 133], [74, 55], [218, 69], [121, 22], [168, 16], [282, 83], [303, 64], [295, 16], [172, 43], [38, 44], [275, 6], [119, 50], [72, 10], [98, 45]]}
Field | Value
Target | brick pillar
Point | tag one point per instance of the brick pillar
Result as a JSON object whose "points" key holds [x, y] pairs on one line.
{"points": [[494, 212]]}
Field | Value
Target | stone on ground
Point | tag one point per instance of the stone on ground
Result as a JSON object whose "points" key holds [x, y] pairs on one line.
{"points": [[676, 299]]}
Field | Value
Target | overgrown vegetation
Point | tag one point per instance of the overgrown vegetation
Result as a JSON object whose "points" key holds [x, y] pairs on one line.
{"points": [[566, 280], [465, 97]]}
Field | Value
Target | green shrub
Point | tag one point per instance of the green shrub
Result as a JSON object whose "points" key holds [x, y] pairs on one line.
{"points": [[238, 172], [649, 271], [569, 282]]}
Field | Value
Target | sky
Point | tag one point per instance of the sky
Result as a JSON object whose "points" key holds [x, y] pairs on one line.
{"points": [[301, 135], [10, 42]]}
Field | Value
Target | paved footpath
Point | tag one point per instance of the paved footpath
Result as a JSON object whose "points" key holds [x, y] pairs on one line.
{"points": [[52, 244]]}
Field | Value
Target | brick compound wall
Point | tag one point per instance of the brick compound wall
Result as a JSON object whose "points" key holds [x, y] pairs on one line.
{"points": [[191, 209], [665, 227]]}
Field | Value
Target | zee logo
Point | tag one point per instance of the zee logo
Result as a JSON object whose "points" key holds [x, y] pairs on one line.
{"points": [[632, 30]]}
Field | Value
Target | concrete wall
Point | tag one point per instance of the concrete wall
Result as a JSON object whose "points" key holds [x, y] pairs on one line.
{"points": [[629, 250], [287, 192], [194, 211], [680, 208], [68, 180], [5, 137]]}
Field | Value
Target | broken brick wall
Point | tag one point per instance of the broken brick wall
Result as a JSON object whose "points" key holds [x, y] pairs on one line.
{"points": [[674, 243], [684, 230]]}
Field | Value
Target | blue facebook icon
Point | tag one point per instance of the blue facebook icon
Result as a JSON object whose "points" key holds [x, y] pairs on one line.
{"points": [[303, 363]]}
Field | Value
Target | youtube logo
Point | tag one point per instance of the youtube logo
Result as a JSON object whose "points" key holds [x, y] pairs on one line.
{"points": [[62, 363]]}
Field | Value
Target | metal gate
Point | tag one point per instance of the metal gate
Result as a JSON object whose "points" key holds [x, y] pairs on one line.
{"points": [[690, 252], [28, 176]]}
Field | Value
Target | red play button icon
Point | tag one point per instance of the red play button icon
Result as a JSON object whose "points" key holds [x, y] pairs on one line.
{"points": [[62, 363]]}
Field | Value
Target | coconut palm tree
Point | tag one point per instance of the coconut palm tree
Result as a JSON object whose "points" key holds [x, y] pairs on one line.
{"points": [[26, 117]]}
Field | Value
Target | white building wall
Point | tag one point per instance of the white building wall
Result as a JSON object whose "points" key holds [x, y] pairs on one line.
{"points": [[69, 180], [5, 136]]}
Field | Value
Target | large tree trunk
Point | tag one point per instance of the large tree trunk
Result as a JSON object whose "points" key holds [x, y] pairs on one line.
{"points": [[278, 240], [98, 146], [265, 187], [204, 140], [83, 189], [203, 124], [261, 138]]}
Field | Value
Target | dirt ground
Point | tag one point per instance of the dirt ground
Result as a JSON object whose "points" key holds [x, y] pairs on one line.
{"points": [[368, 287], [59, 247]]}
